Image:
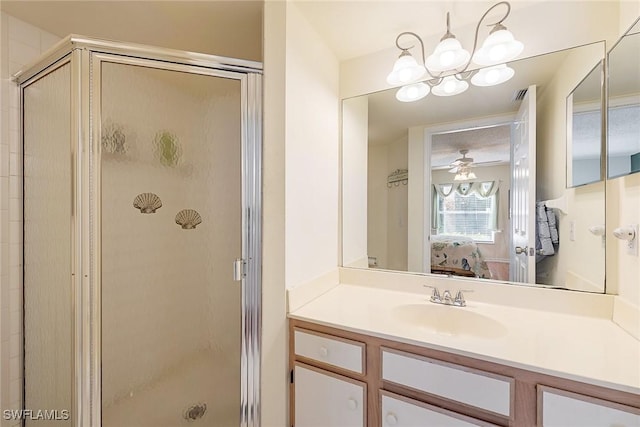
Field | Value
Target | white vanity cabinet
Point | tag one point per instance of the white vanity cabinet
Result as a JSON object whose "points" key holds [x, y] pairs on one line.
{"points": [[488, 392], [558, 408], [324, 399], [343, 378], [399, 411]]}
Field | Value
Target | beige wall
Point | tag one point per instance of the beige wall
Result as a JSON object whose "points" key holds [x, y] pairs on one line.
{"points": [[300, 181], [354, 181], [585, 204], [274, 390], [311, 152], [387, 207]]}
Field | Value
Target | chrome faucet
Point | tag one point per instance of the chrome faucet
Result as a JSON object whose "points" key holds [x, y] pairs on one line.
{"points": [[446, 299]]}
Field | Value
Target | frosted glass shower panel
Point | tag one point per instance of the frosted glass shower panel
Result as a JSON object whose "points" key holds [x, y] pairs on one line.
{"points": [[47, 247], [171, 228]]}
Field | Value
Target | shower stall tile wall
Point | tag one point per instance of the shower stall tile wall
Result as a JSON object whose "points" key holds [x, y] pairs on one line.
{"points": [[20, 44]]}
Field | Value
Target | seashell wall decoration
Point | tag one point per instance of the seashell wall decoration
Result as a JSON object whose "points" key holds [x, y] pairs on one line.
{"points": [[114, 140], [188, 219], [147, 203]]}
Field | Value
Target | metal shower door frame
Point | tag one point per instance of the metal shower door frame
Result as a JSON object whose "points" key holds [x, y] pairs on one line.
{"points": [[86, 56]]}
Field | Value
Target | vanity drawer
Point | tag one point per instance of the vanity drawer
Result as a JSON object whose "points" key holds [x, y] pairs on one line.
{"points": [[400, 411], [559, 408], [334, 351], [490, 392]]}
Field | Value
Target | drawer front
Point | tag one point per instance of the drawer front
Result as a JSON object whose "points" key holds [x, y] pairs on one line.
{"points": [[558, 408], [486, 391], [398, 411], [333, 351], [324, 399]]}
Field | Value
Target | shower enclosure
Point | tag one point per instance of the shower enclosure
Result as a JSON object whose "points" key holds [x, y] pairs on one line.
{"points": [[142, 210]]}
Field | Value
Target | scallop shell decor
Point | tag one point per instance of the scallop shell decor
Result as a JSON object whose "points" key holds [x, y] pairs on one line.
{"points": [[188, 219], [148, 203]]}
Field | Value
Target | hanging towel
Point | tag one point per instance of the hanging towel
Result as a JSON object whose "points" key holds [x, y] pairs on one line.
{"points": [[546, 231]]}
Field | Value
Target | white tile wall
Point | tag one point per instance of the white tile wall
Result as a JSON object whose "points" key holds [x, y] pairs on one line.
{"points": [[21, 43]]}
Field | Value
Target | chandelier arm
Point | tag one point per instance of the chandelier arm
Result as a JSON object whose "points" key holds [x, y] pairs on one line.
{"points": [[475, 39], [464, 75], [434, 82], [407, 48]]}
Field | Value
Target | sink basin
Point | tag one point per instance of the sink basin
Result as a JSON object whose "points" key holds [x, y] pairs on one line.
{"points": [[446, 320]]}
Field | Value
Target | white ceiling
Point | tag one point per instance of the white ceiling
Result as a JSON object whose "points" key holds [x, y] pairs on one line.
{"points": [[490, 144], [225, 28]]}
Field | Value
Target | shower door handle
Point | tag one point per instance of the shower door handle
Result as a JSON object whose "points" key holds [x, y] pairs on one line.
{"points": [[239, 272]]}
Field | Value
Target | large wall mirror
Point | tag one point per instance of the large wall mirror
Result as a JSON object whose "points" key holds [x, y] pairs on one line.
{"points": [[624, 105], [474, 184]]}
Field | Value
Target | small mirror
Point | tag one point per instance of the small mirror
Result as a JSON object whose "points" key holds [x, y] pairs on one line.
{"points": [[584, 130], [624, 105]]}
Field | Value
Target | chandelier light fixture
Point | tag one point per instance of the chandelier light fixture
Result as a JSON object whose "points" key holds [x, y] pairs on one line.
{"points": [[448, 65], [464, 174]]}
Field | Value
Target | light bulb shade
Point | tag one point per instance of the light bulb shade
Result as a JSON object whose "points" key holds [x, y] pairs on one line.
{"points": [[448, 55], [450, 86], [492, 76], [412, 92], [464, 176], [405, 70], [499, 47]]}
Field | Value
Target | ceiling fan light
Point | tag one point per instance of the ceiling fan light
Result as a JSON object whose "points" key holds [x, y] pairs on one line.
{"points": [[448, 55], [405, 70], [464, 176], [499, 47], [450, 86], [492, 76], [412, 92]]}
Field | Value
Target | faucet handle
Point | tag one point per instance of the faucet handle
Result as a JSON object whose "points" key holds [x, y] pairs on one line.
{"points": [[459, 299], [435, 295]]}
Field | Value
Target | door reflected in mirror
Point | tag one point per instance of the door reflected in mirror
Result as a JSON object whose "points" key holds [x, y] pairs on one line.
{"points": [[483, 193]]}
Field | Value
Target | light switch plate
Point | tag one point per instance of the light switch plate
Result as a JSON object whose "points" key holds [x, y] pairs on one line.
{"points": [[572, 230]]}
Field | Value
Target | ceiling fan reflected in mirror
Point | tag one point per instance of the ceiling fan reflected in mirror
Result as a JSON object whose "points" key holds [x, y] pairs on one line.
{"points": [[462, 166], [463, 162]]}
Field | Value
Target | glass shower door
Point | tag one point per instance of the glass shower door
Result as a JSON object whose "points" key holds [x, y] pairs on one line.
{"points": [[171, 226], [48, 339]]}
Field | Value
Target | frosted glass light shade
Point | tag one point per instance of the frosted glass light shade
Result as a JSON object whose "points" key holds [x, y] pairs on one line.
{"points": [[405, 70], [499, 47], [492, 76], [448, 55], [412, 92], [464, 176], [450, 86]]}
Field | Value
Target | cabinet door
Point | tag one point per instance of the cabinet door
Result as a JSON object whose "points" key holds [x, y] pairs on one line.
{"points": [[324, 399], [559, 408], [399, 411]]}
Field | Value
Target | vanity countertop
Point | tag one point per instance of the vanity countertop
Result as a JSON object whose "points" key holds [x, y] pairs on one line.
{"points": [[577, 347]]}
